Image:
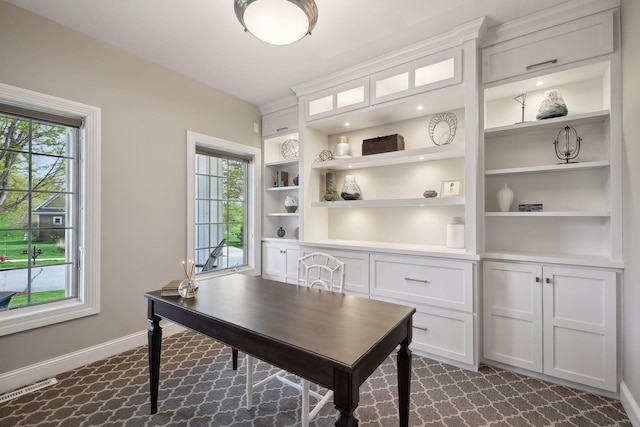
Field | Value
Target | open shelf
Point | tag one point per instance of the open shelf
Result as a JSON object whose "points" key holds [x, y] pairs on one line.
{"points": [[435, 201], [282, 214], [550, 214], [417, 155], [282, 163], [549, 168], [285, 188], [546, 124]]}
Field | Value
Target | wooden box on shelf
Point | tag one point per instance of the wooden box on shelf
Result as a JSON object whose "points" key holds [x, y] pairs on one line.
{"points": [[382, 144]]}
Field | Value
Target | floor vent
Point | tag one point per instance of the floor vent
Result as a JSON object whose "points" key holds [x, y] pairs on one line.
{"points": [[28, 389]]}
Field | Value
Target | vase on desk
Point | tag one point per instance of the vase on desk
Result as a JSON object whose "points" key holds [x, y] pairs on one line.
{"points": [[188, 288]]}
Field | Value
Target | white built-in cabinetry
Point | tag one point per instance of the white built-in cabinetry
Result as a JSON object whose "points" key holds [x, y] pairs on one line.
{"points": [[550, 278], [280, 260], [393, 240], [556, 320], [279, 252]]}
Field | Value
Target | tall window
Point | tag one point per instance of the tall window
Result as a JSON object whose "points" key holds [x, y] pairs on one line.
{"points": [[223, 205], [49, 210], [38, 208], [221, 210]]}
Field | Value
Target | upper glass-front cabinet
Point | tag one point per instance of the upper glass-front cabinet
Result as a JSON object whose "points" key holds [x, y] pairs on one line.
{"points": [[433, 72], [425, 74], [338, 99]]}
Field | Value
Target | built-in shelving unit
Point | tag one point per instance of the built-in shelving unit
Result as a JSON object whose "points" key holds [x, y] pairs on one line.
{"points": [[581, 200], [279, 127]]}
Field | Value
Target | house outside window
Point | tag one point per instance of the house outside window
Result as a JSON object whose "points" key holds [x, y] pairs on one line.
{"points": [[49, 210]]}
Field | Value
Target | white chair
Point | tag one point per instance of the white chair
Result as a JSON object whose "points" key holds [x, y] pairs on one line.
{"points": [[314, 270]]}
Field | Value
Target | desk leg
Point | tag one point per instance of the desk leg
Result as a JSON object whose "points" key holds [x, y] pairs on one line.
{"points": [[155, 339], [345, 397], [404, 382], [234, 358]]}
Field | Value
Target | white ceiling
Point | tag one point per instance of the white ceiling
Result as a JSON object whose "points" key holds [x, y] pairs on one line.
{"points": [[203, 39]]}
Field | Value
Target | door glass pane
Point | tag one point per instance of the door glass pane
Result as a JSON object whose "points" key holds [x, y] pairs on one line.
{"points": [[435, 72], [393, 84], [351, 97], [321, 105]]}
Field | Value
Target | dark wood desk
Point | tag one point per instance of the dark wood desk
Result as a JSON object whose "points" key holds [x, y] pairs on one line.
{"points": [[330, 339]]}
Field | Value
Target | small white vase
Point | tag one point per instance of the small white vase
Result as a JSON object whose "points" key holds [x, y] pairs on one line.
{"points": [[505, 198]]}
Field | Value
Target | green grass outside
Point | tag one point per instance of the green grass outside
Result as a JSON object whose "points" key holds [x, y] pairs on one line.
{"points": [[12, 243], [36, 297]]}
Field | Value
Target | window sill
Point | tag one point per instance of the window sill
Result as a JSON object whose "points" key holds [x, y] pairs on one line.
{"points": [[22, 319]]}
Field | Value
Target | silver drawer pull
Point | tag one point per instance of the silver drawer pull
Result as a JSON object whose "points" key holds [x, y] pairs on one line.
{"points": [[551, 61], [416, 280], [420, 328], [281, 129]]}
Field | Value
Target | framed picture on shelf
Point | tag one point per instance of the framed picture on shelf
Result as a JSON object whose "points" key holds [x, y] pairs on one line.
{"points": [[453, 187]]}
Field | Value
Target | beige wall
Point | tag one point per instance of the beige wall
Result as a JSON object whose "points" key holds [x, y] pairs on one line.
{"points": [[146, 111], [631, 193]]}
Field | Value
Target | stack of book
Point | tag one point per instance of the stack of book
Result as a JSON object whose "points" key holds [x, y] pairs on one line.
{"points": [[171, 289]]}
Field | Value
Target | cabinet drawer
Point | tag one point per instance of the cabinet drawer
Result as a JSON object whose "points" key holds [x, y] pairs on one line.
{"points": [[445, 333], [442, 332], [418, 280], [280, 122], [559, 45]]}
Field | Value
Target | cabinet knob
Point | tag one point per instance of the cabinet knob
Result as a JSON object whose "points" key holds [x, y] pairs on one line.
{"points": [[547, 280], [537, 279], [416, 280]]}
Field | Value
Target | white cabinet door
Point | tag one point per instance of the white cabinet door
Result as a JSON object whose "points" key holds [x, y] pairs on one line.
{"points": [[292, 253], [559, 45], [279, 261], [513, 314], [560, 321], [280, 122], [580, 326]]}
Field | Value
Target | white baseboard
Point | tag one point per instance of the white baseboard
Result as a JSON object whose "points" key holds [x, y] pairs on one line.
{"points": [[630, 405], [49, 368]]}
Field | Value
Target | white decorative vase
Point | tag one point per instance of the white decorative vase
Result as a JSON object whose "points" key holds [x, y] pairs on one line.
{"points": [[342, 149], [291, 204], [505, 198]]}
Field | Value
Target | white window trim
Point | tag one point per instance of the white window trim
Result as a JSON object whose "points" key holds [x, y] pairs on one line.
{"points": [[255, 178], [88, 300]]}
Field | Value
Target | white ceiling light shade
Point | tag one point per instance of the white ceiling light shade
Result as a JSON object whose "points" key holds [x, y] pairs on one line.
{"points": [[277, 22]]}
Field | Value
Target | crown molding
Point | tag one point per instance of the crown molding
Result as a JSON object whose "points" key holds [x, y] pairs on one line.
{"points": [[557, 15], [282, 104]]}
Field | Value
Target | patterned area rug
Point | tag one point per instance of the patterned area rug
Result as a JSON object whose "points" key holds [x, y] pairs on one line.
{"points": [[199, 388]]}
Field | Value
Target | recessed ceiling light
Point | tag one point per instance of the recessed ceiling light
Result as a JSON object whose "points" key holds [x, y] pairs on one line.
{"points": [[419, 107], [347, 124], [350, 166], [540, 83], [421, 157]]}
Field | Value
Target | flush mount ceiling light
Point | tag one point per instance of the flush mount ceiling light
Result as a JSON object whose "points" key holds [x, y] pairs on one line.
{"points": [[277, 22]]}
